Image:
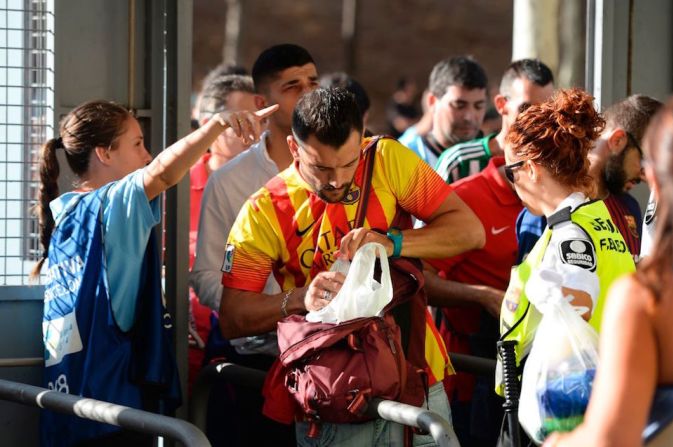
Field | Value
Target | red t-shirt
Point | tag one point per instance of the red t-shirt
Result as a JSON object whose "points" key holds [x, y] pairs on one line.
{"points": [[198, 177], [497, 206]]}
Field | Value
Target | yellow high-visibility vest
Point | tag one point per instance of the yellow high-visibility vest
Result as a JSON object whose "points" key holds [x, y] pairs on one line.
{"points": [[519, 319]]}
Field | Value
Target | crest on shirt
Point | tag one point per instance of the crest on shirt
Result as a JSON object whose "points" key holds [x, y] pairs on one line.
{"points": [[633, 226], [352, 197], [228, 262], [578, 252]]}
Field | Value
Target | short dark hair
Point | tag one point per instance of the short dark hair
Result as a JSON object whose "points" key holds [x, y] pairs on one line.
{"points": [[276, 59], [341, 79], [331, 115], [215, 94], [632, 114], [461, 71], [533, 70]]}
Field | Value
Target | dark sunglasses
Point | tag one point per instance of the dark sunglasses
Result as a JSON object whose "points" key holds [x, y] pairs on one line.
{"points": [[509, 169]]}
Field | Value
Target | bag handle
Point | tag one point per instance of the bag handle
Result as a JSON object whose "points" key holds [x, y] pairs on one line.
{"points": [[369, 153]]}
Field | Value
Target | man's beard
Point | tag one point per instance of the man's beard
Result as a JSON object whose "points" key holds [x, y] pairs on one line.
{"points": [[614, 174], [331, 198]]}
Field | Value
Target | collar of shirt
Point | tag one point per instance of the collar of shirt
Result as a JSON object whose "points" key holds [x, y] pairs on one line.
{"points": [[574, 200]]}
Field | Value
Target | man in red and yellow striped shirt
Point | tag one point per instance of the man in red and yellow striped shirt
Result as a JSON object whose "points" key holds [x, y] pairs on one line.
{"points": [[295, 226]]}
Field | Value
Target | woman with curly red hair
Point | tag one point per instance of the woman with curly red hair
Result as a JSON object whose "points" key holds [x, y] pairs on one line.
{"points": [[546, 155]]}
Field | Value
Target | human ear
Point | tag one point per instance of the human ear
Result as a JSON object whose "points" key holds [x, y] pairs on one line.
{"points": [[294, 147], [617, 140], [103, 155], [500, 101], [260, 102], [534, 170], [432, 99]]}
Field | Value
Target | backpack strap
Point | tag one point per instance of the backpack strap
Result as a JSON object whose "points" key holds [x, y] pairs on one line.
{"points": [[369, 154]]}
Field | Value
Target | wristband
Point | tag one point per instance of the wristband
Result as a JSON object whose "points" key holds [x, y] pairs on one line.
{"points": [[395, 235]]}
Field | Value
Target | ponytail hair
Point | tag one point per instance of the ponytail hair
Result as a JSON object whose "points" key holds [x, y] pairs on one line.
{"points": [[89, 125], [49, 171]]}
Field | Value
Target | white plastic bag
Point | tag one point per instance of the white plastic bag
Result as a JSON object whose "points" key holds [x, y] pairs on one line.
{"points": [[559, 372], [361, 295]]}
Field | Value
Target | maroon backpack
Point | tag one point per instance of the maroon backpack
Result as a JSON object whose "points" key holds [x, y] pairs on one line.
{"points": [[333, 370]]}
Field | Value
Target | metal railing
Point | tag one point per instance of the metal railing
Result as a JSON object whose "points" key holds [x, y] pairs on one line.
{"points": [[105, 412], [426, 420], [656, 433], [21, 362], [471, 364]]}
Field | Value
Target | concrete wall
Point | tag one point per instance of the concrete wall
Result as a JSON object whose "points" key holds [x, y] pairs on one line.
{"points": [[394, 37]]}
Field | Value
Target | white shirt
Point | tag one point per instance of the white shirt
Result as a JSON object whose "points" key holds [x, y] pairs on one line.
{"points": [[572, 276], [226, 191], [649, 225]]}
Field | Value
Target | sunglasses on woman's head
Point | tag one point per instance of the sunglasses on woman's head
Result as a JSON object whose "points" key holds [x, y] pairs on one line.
{"points": [[509, 169]]}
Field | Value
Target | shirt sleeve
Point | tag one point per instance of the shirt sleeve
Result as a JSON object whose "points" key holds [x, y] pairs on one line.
{"points": [[128, 218], [217, 218], [572, 255], [253, 246], [417, 187]]}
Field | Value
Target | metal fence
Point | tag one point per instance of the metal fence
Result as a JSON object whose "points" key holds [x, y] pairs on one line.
{"points": [[26, 117], [426, 420], [105, 412]]}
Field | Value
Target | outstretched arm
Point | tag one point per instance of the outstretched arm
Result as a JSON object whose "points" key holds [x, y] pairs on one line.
{"points": [[446, 293], [173, 163]]}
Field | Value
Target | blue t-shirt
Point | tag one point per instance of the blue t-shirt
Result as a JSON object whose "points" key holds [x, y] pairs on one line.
{"points": [[128, 218], [529, 228], [411, 139], [408, 136]]}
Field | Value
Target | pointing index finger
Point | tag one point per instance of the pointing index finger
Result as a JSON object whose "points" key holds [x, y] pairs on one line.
{"points": [[267, 111]]}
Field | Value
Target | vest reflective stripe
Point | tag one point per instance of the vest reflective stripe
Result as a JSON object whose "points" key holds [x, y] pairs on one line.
{"points": [[519, 319]]}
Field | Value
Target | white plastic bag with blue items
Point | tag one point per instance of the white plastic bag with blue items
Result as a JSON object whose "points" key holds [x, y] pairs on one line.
{"points": [[559, 372], [361, 295]]}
